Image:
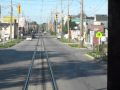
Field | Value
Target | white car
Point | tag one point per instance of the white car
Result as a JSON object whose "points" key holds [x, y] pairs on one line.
{"points": [[29, 38], [44, 32], [58, 36]]}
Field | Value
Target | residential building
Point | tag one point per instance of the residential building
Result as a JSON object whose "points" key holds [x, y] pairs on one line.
{"points": [[5, 30], [100, 24], [90, 25]]}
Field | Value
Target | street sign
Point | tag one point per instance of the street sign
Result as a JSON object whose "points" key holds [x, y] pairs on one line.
{"points": [[98, 34], [103, 39]]}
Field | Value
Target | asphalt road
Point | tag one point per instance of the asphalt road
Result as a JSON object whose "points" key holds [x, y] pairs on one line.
{"points": [[72, 69], [14, 64]]}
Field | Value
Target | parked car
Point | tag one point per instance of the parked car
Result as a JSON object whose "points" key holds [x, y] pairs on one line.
{"points": [[29, 38], [59, 35], [44, 32]]}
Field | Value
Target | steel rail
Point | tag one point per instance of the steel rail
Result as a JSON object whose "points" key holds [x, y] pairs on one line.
{"points": [[25, 87], [54, 84], [43, 69]]}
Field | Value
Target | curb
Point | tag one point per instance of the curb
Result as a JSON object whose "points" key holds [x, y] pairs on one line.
{"points": [[70, 43], [90, 56], [77, 47]]}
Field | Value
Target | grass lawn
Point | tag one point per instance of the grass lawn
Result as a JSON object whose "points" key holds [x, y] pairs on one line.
{"points": [[10, 43], [76, 46], [97, 54], [71, 43], [65, 40]]}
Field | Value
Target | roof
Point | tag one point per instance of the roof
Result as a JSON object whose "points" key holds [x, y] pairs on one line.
{"points": [[101, 17], [84, 19], [90, 18], [4, 24], [76, 20]]}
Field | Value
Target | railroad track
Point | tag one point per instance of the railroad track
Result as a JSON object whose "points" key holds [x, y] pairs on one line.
{"points": [[40, 74]]}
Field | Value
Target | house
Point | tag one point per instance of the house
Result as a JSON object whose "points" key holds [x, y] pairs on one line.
{"points": [[100, 24], [102, 19], [75, 29], [87, 30], [87, 22], [90, 25], [3, 33], [5, 30], [22, 25]]}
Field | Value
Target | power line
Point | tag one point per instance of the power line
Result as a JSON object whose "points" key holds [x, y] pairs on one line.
{"points": [[98, 7]]}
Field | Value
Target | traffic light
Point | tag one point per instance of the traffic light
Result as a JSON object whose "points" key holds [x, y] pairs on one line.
{"points": [[18, 9], [56, 16]]}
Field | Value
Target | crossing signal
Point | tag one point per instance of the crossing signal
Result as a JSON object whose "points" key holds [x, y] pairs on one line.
{"points": [[56, 16]]}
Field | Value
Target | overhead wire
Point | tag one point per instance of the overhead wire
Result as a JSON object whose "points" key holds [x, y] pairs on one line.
{"points": [[41, 11], [97, 7], [88, 9]]}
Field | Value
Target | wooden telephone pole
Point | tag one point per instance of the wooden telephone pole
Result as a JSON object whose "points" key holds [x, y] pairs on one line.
{"points": [[11, 15], [81, 24], [68, 23], [61, 17]]}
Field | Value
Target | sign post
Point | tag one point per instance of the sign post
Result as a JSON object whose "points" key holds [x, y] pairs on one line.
{"points": [[99, 36]]}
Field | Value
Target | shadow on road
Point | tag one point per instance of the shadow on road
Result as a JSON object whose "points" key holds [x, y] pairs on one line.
{"points": [[14, 68]]}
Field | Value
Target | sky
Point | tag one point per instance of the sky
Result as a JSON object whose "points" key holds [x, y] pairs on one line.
{"points": [[40, 10]]}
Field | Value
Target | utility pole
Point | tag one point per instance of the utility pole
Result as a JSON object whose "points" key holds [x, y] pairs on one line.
{"points": [[11, 21], [56, 23], [48, 23], [52, 20], [61, 18], [81, 24], [51, 23], [56, 20], [68, 23], [19, 10]]}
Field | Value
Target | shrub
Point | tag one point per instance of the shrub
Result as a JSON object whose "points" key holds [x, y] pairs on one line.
{"points": [[52, 33]]}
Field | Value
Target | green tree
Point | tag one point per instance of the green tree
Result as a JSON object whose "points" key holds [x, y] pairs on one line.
{"points": [[72, 25]]}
